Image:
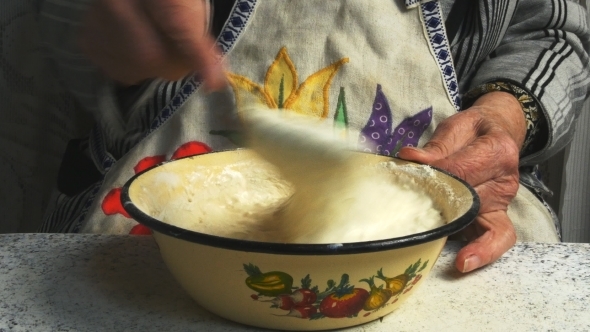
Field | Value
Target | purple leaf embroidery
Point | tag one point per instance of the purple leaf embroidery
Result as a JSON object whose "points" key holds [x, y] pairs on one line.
{"points": [[377, 130], [376, 136], [410, 129]]}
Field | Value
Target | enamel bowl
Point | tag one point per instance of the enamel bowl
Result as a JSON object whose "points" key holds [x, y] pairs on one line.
{"points": [[298, 286]]}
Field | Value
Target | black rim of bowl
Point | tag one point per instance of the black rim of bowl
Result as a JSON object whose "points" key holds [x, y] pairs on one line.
{"points": [[294, 248]]}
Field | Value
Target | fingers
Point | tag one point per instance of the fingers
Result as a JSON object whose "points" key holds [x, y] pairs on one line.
{"points": [[120, 40], [415, 154], [479, 146], [476, 159], [182, 24], [451, 135], [133, 40], [497, 237], [486, 158]]}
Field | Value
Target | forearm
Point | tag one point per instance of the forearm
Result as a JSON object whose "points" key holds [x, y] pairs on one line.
{"points": [[545, 54]]}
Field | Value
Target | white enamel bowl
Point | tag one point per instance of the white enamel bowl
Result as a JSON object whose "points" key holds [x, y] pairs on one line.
{"points": [[299, 286]]}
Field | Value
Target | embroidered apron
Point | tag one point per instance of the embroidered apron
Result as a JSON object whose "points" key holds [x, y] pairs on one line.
{"points": [[380, 70]]}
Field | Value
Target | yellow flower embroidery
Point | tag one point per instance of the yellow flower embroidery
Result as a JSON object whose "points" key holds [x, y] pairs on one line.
{"points": [[282, 90]]}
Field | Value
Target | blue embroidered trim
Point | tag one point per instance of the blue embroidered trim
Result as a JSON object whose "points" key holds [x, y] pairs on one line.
{"points": [[234, 27], [412, 3], [438, 40], [181, 96]]}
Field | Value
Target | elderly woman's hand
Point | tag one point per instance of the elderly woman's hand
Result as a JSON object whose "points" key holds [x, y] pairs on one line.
{"points": [[481, 145], [133, 40]]}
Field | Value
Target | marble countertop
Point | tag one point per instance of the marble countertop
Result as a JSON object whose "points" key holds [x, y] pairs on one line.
{"points": [[58, 282]]}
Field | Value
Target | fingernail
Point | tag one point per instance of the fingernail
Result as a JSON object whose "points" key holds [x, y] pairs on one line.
{"points": [[405, 149], [471, 263]]}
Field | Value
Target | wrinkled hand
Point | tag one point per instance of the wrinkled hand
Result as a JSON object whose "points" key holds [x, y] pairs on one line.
{"points": [[481, 145], [133, 40]]}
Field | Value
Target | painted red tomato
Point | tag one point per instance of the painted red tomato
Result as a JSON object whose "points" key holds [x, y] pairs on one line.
{"points": [[346, 305]]}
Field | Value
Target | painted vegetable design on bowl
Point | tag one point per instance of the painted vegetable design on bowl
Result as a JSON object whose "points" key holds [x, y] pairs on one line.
{"points": [[269, 283], [336, 300]]}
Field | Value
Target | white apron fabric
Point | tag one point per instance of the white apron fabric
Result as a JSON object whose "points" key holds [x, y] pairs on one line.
{"points": [[532, 220], [380, 70]]}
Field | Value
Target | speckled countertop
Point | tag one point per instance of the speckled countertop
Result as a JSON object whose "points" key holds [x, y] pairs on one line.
{"points": [[119, 283]]}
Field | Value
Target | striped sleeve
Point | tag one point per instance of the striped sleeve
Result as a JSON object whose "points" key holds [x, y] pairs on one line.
{"points": [[123, 114], [60, 20], [542, 46]]}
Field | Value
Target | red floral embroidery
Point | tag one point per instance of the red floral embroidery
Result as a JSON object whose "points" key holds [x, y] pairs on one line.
{"points": [[148, 162], [111, 204], [190, 149], [140, 229]]}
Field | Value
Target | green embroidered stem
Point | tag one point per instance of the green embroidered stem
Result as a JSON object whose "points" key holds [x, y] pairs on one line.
{"points": [[341, 115], [282, 92]]}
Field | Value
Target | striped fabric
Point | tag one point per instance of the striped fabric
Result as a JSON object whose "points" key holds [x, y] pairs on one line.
{"points": [[544, 52], [540, 45], [67, 211]]}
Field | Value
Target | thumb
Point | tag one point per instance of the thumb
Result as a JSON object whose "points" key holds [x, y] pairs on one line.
{"points": [[497, 238], [418, 155]]}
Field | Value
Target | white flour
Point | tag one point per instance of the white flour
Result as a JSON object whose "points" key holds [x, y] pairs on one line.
{"points": [[330, 196], [229, 201], [242, 200]]}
